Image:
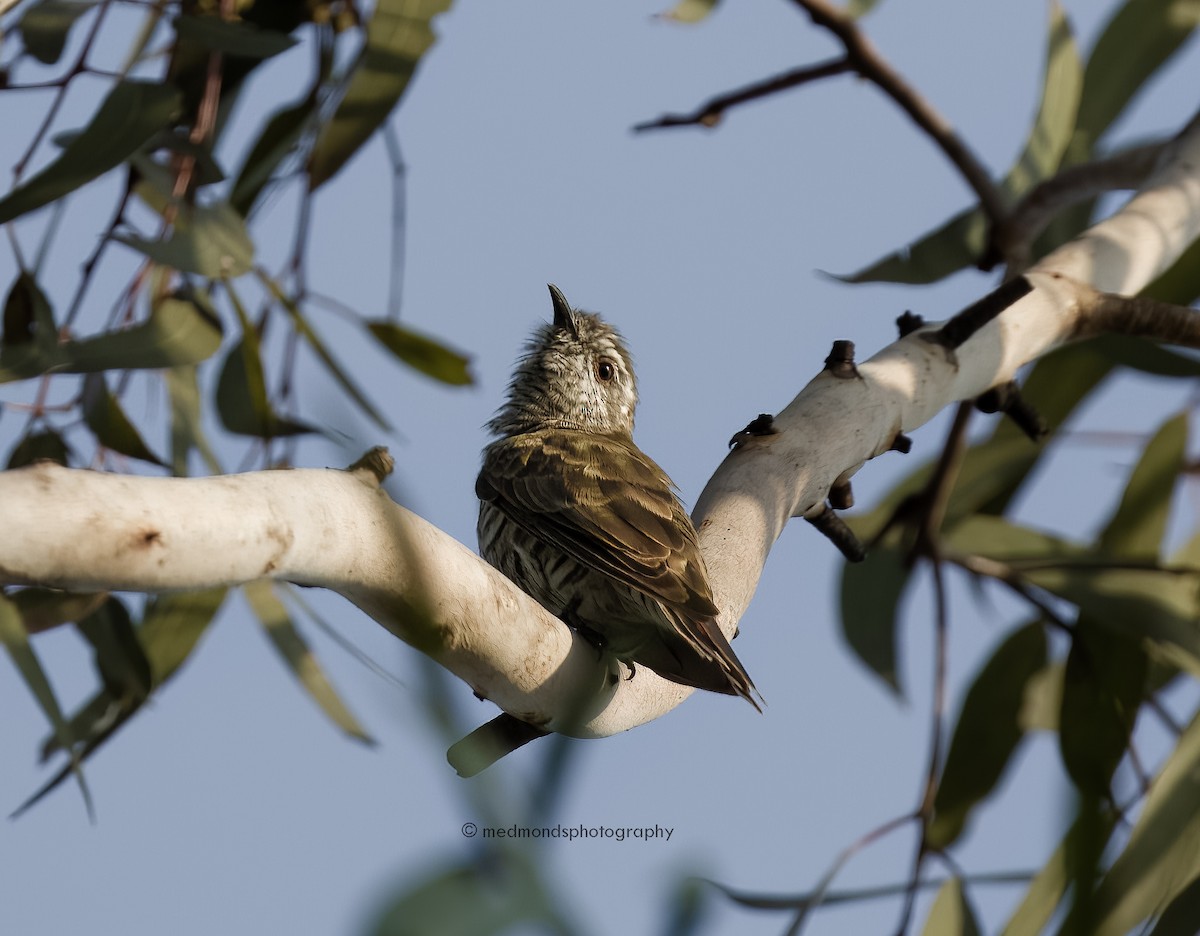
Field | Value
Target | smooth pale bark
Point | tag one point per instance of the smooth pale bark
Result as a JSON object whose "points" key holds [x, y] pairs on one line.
{"points": [[83, 530]]}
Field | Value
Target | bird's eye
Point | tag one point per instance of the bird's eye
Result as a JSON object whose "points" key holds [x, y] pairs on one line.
{"points": [[606, 371]]}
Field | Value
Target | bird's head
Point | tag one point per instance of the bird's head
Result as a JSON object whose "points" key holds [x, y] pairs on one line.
{"points": [[576, 373]]}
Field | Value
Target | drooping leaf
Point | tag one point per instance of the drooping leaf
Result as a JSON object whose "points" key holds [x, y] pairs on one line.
{"points": [[1050, 885], [16, 642], [423, 353], [951, 913], [1162, 855], [1182, 916], [1136, 529], [187, 426], [102, 414], [43, 609], [398, 34], [1140, 39], [46, 445], [1103, 683], [987, 732], [1144, 603], [129, 117], [180, 330], [321, 349], [1146, 356], [28, 318], [948, 248], [1054, 125], [232, 37], [1043, 699], [1180, 284], [690, 11], [242, 401], [208, 240], [299, 657], [473, 899], [121, 663], [280, 137], [172, 627], [46, 25], [871, 593]]}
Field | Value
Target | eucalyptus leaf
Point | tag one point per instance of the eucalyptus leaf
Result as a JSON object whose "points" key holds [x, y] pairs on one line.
{"points": [[102, 413], [423, 353], [126, 120], [298, 655], [397, 36]]}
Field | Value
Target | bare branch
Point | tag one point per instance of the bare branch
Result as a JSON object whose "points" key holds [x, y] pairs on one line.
{"points": [[90, 531], [710, 113]]}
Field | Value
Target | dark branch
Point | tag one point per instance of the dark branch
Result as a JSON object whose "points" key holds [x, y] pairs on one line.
{"points": [[710, 113]]}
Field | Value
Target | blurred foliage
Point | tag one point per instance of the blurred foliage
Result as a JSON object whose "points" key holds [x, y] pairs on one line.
{"points": [[1115, 618]]}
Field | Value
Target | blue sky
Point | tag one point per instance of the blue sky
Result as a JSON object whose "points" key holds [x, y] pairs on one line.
{"points": [[231, 805]]}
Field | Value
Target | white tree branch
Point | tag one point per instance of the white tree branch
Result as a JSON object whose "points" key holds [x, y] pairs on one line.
{"points": [[83, 530]]}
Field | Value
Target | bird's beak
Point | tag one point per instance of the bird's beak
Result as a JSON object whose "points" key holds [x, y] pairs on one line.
{"points": [[564, 316]]}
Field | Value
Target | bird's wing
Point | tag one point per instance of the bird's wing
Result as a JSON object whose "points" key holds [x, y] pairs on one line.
{"points": [[602, 501]]}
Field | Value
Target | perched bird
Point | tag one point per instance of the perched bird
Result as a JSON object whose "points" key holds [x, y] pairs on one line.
{"points": [[582, 520]]}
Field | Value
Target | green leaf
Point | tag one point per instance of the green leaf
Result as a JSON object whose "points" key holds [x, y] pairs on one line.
{"points": [[28, 318], [422, 353], [1103, 684], [47, 445], [1180, 284], [279, 138], [952, 246], [1162, 855], [474, 900], [16, 642], [1146, 356], [1136, 529], [1042, 703], [232, 37], [242, 400], [300, 323], [102, 414], [398, 34], [187, 425], [208, 240], [961, 241], [172, 627], [129, 117], [178, 331], [1155, 605], [951, 913], [45, 608], [299, 657], [1140, 39], [45, 26], [1054, 125], [1182, 916], [121, 663], [1050, 884], [871, 592], [987, 732], [860, 8], [690, 11]]}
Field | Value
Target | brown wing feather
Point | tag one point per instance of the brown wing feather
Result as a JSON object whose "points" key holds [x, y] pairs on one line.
{"points": [[632, 528]]}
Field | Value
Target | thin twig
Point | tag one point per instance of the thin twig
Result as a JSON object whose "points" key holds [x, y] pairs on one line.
{"points": [[814, 899], [399, 220], [63, 83], [709, 114]]}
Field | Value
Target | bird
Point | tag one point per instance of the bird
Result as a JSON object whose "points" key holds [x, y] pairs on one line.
{"points": [[581, 519]]}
